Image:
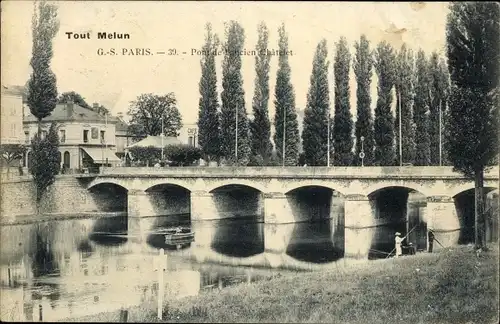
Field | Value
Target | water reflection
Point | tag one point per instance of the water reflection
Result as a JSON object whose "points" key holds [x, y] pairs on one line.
{"points": [[238, 237], [313, 242]]}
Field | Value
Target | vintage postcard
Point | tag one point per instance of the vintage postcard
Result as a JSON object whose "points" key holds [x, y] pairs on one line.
{"points": [[249, 161]]}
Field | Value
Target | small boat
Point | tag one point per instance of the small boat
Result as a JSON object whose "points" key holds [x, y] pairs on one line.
{"points": [[179, 236]]}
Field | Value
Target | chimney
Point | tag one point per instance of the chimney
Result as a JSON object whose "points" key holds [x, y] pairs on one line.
{"points": [[69, 108]]}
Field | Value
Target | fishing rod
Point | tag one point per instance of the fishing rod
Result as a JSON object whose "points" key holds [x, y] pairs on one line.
{"points": [[435, 239]]}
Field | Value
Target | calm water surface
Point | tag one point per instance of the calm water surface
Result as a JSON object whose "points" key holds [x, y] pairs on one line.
{"points": [[72, 268]]}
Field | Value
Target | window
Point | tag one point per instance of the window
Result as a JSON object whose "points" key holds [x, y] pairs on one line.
{"points": [[190, 140], [95, 133], [85, 135], [27, 137], [103, 137], [44, 134], [62, 136]]}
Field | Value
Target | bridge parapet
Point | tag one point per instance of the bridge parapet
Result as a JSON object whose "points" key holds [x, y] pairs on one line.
{"points": [[293, 172]]}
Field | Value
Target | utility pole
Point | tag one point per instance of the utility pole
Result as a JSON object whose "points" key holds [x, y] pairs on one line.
{"points": [[328, 140], [236, 137], [400, 139], [162, 135], [440, 136], [284, 135]]}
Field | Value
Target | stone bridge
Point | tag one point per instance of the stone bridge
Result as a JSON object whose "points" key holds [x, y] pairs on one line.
{"points": [[287, 195]]}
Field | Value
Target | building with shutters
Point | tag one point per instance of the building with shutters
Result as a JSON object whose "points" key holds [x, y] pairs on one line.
{"points": [[87, 137]]}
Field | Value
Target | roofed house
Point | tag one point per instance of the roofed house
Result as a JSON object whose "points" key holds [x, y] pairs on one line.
{"points": [[86, 136], [12, 115]]}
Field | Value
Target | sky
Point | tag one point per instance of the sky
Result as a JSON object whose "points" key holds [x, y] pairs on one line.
{"points": [[115, 81]]}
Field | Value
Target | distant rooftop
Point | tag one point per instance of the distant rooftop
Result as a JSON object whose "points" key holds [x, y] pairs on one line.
{"points": [[13, 90], [62, 112]]}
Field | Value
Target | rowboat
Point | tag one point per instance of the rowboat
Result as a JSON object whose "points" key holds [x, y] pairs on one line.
{"points": [[179, 236]]}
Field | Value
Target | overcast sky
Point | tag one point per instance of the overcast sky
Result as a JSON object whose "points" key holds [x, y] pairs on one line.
{"points": [[116, 80]]}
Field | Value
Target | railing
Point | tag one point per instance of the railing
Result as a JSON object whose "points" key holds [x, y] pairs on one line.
{"points": [[341, 172]]}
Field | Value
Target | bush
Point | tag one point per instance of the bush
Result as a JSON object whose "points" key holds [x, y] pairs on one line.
{"points": [[256, 160], [147, 155], [182, 155]]}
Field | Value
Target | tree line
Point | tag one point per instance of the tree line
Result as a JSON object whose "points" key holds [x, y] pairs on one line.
{"points": [[420, 84]]}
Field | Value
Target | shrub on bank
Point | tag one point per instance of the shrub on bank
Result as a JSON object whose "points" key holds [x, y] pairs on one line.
{"points": [[182, 155]]}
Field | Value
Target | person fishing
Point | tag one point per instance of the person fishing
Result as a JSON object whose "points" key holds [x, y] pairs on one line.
{"points": [[431, 240], [398, 241]]}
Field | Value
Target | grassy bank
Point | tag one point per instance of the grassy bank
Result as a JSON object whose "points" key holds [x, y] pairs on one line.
{"points": [[452, 286]]}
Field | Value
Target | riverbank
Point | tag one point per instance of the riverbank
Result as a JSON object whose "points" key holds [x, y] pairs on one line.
{"points": [[452, 286], [46, 217]]}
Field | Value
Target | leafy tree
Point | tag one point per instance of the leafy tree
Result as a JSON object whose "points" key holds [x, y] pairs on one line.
{"points": [[384, 125], [182, 155], [10, 153], [208, 116], [233, 99], [147, 111], [421, 111], [147, 155], [473, 62], [42, 87], [404, 96], [314, 134], [45, 161], [261, 127], [362, 65], [285, 119], [74, 97], [439, 88], [342, 120]]}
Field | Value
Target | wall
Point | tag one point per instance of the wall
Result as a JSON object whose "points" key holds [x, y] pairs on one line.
{"points": [[68, 195], [11, 119]]}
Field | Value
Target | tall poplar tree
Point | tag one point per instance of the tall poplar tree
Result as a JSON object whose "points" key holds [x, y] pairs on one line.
{"points": [[404, 100], [439, 88], [233, 99], [42, 85], [362, 65], [421, 111], [343, 141], [208, 116], [285, 121], [261, 127], [315, 130], [384, 123], [473, 62]]}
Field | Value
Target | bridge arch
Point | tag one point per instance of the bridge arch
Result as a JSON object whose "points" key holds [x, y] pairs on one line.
{"points": [[470, 187], [100, 181], [108, 196], [398, 207], [167, 182], [310, 184], [239, 183], [377, 188]]}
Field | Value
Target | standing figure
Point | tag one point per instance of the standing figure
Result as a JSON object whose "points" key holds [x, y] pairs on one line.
{"points": [[431, 240], [398, 241]]}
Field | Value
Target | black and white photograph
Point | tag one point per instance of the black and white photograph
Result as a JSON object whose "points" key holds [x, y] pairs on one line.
{"points": [[249, 161]]}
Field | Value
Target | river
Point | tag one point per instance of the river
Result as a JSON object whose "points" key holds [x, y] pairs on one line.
{"points": [[76, 267]]}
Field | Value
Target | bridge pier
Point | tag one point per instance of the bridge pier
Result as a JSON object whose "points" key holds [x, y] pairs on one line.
{"points": [[203, 206], [443, 220], [277, 209], [359, 226]]}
